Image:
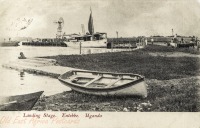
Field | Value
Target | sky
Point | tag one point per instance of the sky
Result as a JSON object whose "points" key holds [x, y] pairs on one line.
{"points": [[35, 18]]}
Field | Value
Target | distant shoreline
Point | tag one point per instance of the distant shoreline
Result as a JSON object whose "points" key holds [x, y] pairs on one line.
{"points": [[10, 43]]}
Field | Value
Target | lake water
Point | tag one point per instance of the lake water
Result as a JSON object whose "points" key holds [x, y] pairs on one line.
{"points": [[14, 82]]}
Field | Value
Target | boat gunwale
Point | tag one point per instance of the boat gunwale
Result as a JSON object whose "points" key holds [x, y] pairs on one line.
{"points": [[109, 73], [141, 79], [105, 89], [14, 96]]}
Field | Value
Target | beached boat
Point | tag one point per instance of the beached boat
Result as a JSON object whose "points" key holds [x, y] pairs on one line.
{"points": [[19, 102], [105, 84]]}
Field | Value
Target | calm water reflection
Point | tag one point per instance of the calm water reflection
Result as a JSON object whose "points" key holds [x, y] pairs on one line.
{"points": [[14, 82]]}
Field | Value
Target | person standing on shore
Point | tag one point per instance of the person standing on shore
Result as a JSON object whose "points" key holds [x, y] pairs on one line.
{"points": [[152, 40], [146, 42], [182, 41]]}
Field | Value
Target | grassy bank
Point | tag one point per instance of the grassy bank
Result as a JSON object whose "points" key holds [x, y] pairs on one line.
{"points": [[157, 48], [163, 96], [140, 62], [171, 82]]}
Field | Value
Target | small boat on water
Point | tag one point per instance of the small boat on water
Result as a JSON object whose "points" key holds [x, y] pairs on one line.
{"points": [[104, 83], [19, 102]]}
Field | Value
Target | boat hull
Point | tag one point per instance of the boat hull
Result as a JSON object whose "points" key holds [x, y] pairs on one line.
{"points": [[19, 102], [138, 89], [135, 88], [88, 44]]}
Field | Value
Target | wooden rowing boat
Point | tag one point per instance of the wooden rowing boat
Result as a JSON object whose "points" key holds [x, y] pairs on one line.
{"points": [[105, 84], [19, 102]]}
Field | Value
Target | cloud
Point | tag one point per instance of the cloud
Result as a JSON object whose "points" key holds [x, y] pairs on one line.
{"points": [[128, 17], [154, 18]]}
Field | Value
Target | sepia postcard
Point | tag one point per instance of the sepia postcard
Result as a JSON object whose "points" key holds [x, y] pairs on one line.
{"points": [[99, 63]]}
